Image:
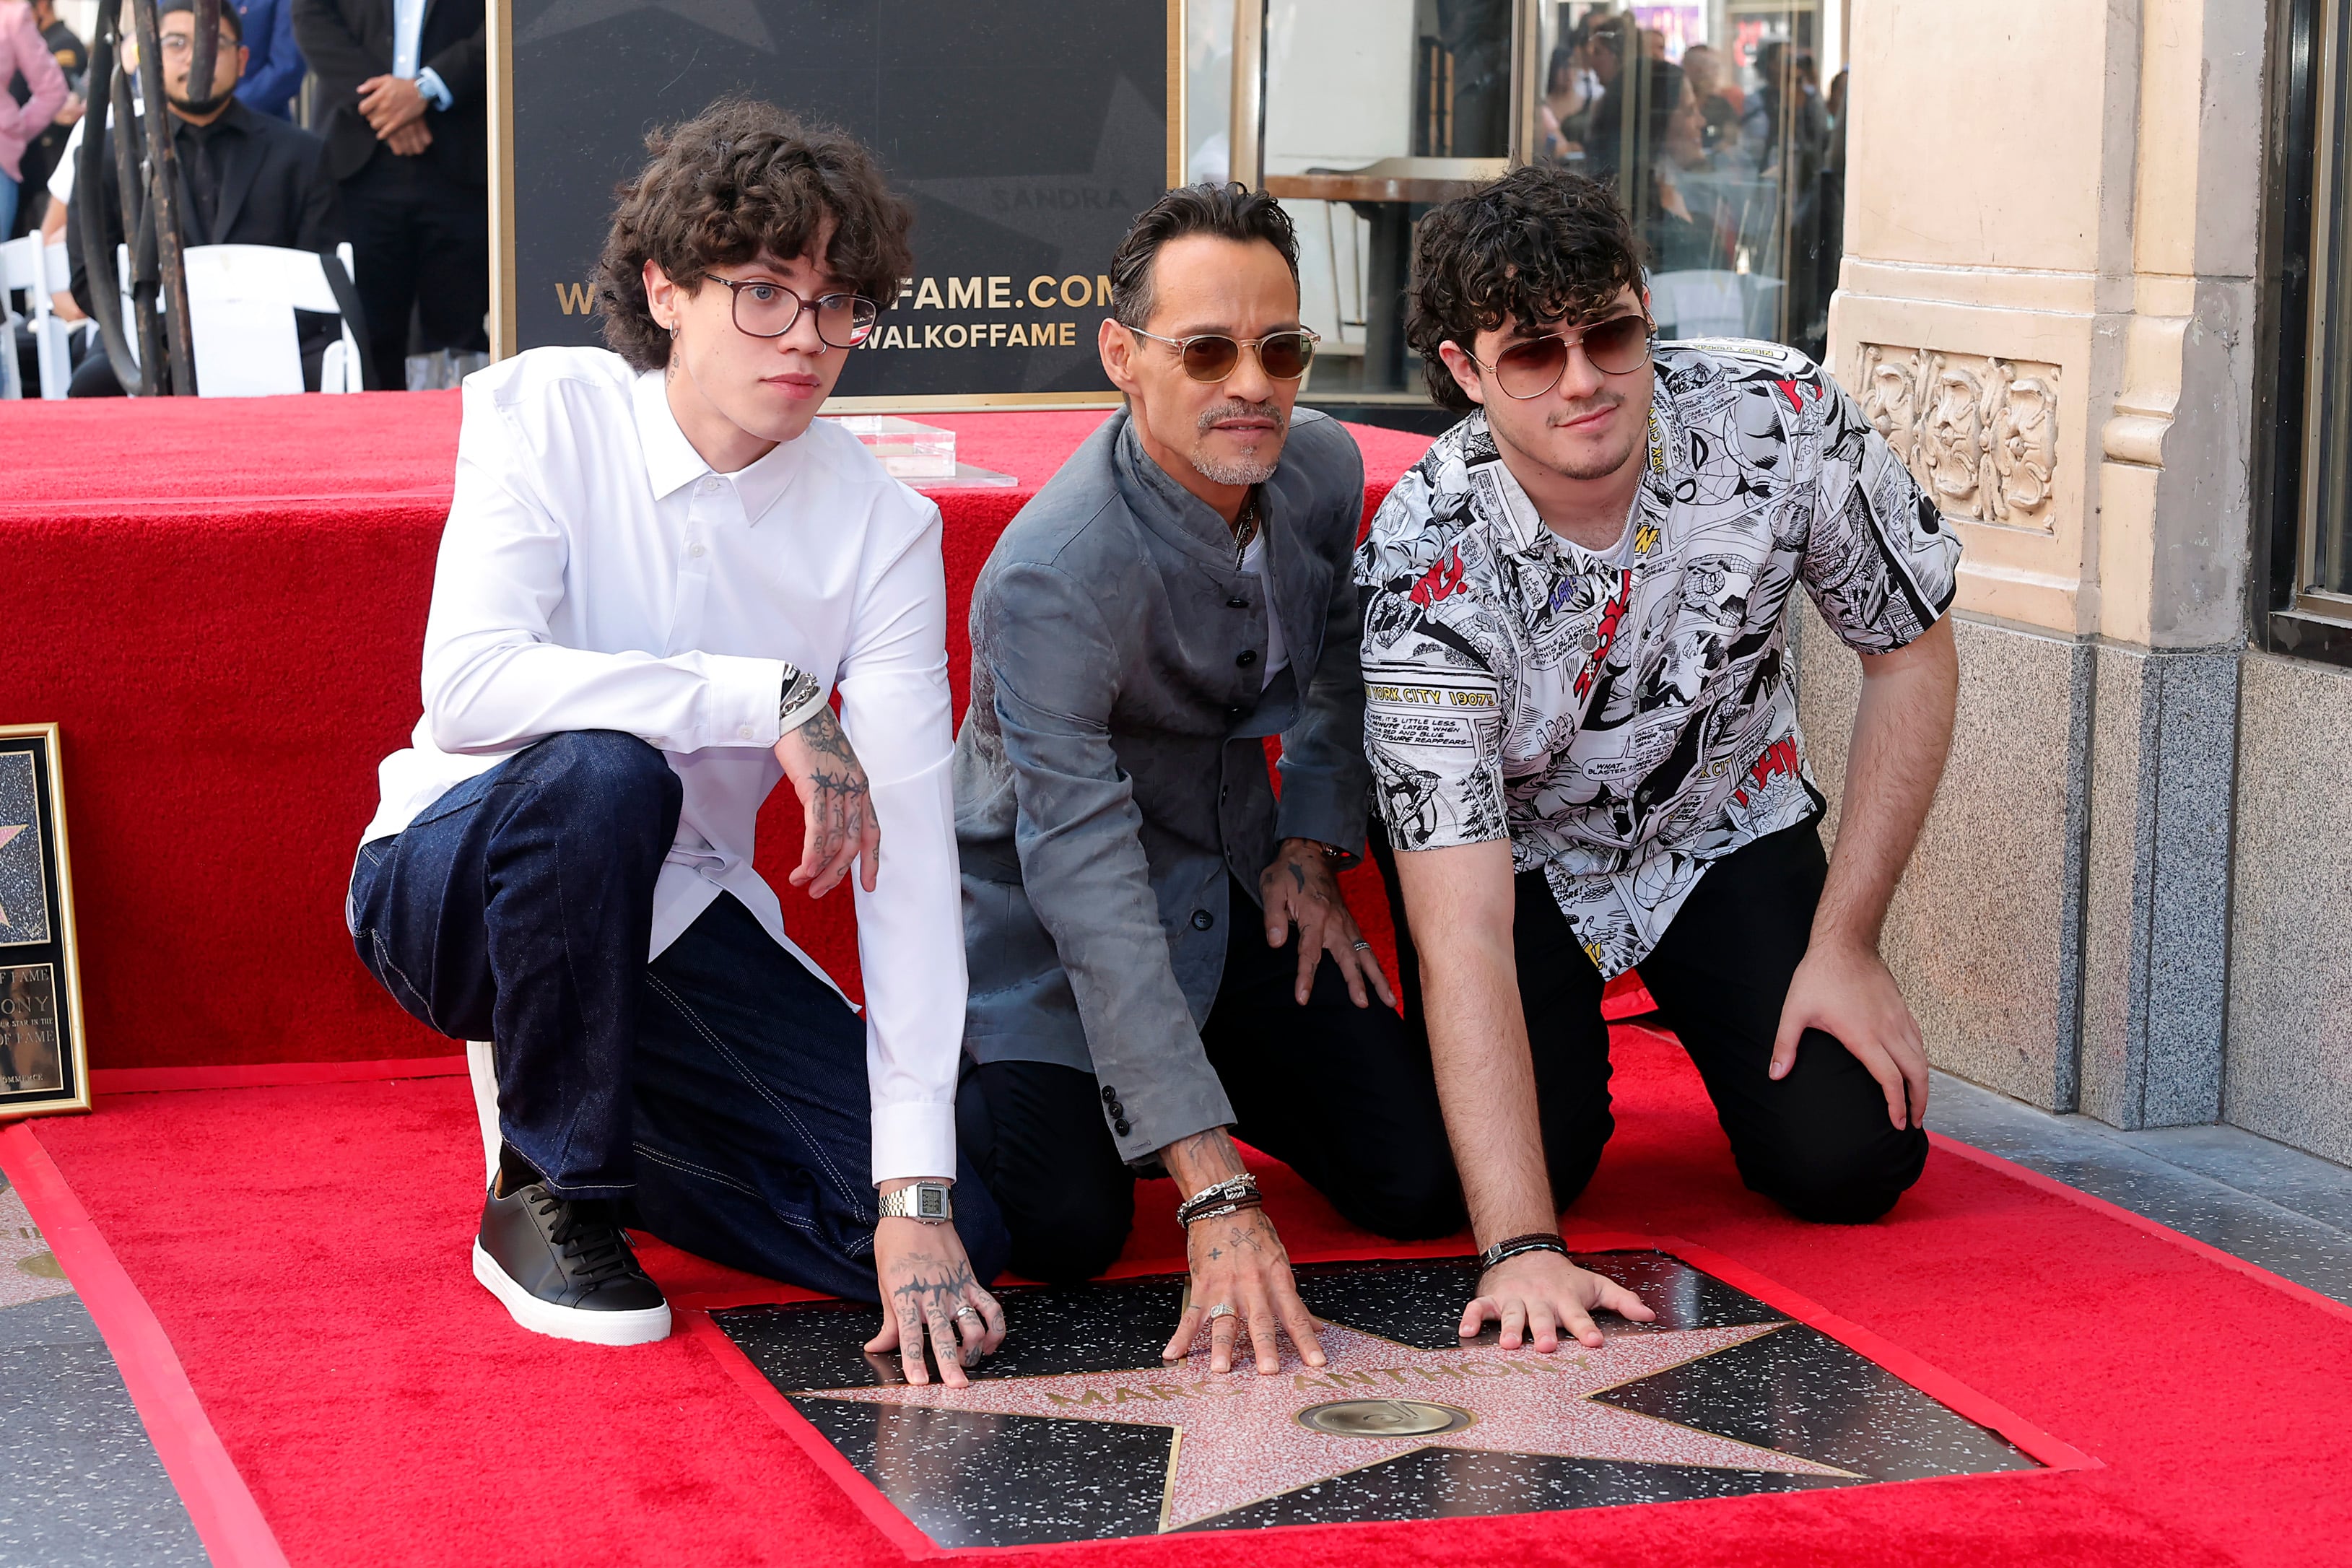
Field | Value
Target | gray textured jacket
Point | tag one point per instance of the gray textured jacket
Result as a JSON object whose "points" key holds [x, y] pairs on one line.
{"points": [[1111, 770]]}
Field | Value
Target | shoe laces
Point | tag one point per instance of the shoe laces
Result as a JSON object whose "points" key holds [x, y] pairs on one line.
{"points": [[593, 1246]]}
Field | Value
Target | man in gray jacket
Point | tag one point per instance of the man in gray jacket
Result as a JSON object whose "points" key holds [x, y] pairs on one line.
{"points": [[1178, 593]]}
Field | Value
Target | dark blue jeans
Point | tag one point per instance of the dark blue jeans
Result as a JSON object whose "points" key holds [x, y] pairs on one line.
{"points": [[720, 1091]]}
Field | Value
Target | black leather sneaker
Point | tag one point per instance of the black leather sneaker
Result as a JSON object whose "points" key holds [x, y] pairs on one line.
{"points": [[563, 1267]]}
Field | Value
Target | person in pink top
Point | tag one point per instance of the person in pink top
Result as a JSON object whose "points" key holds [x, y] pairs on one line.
{"points": [[23, 52]]}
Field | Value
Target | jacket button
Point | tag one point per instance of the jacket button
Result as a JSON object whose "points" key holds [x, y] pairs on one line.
{"points": [[1237, 604], [1117, 1111], [1246, 657], [1110, 1095], [1203, 919], [1120, 1127]]}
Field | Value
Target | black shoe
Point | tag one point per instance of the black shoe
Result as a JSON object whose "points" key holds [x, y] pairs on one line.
{"points": [[563, 1267]]}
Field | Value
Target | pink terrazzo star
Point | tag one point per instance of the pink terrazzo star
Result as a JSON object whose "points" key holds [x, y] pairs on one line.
{"points": [[1240, 1438]]}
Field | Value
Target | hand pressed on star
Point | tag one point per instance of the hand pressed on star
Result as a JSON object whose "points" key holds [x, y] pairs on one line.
{"points": [[1535, 1294]]}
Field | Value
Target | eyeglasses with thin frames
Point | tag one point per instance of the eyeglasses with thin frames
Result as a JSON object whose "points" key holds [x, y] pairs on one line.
{"points": [[765, 310], [1533, 367], [1214, 356]]}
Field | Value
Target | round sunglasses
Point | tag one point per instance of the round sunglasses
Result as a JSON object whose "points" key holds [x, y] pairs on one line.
{"points": [[765, 310], [1212, 356], [1533, 367]]}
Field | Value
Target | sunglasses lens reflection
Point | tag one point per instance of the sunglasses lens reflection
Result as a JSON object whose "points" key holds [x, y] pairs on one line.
{"points": [[1533, 367], [1210, 359], [1287, 355]]}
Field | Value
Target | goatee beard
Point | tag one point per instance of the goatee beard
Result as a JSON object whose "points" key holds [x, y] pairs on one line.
{"points": [[1238, 470], [202, 106]]}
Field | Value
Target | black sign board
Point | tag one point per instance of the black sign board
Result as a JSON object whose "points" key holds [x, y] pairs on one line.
{"points": [[1027, 132]]}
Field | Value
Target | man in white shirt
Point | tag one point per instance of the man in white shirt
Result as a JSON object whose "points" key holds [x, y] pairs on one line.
{"points": [[656, 571]]}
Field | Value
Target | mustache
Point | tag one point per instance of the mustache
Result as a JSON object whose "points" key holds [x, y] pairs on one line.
{"points": [[1596, 403], [1235, 408]]}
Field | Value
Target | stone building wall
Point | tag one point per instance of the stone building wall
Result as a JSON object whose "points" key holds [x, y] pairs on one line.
{"points": [[2048, 304]]}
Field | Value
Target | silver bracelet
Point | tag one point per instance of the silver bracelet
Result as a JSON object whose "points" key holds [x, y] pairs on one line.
{"points": [[801, 698], [1234, 1190]]}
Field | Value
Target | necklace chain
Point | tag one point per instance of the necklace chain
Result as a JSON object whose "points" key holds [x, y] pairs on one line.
{"points": [[1244, 527]]}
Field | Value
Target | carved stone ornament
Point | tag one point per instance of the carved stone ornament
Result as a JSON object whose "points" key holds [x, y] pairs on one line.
{"points": [[1979, 434]]}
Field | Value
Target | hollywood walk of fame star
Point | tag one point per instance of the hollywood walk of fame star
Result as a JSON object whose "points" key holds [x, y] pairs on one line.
{"points": [[1244, 1437], [7, 836]]}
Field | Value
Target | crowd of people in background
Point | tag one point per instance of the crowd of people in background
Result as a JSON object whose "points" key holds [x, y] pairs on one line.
{"points": [[386, 150], [1728, 166]]}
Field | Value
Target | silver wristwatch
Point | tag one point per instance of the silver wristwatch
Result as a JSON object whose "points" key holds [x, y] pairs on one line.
{"points": [[930, 1202]]}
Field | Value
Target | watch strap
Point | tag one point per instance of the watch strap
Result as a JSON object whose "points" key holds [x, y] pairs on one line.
{"points": [[930, 1202]]}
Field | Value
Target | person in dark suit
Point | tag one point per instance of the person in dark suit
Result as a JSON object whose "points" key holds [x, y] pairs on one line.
{"points": [[244, 179], [401, 85]]}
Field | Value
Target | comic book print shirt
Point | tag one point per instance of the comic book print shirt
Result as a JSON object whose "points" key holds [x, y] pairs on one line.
{"points": [[1629, 716]]}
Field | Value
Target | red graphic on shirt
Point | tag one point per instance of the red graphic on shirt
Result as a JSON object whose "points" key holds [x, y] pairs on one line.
{"points": [[1789, 390], [1439, 581], [1612, 617], [1779, 758]]}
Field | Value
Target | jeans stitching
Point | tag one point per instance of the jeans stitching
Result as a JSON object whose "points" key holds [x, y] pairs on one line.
{"points": [[689, 1168], [744, 1071], [384, 958]]}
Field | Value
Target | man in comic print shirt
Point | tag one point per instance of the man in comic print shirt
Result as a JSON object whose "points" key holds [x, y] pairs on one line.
{"points": [[1582, 724]]}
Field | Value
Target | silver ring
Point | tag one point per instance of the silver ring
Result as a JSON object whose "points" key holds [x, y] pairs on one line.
{"points": [[1222, 1309], [967, 1313], [1363, 947]]}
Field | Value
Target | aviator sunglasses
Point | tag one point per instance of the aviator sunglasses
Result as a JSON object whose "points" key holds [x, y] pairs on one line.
{"points": [[769, 309], [1212, 356], [1533, 367]]}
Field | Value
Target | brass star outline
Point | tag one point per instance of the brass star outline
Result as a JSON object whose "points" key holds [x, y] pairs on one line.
{"points": [[1234, 1435]]}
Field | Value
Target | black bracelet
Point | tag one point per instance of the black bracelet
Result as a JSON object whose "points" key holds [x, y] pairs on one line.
{"points": [[1536, 1241]]}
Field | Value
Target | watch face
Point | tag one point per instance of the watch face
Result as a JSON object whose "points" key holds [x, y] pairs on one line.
{"points": [[930, 1203]]}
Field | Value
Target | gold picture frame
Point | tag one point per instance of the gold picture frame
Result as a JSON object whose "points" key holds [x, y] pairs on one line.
{"points": [[498, 34], [44, 1058]]}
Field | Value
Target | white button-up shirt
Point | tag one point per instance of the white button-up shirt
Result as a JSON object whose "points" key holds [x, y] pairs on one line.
{"points": [[596, 574]]}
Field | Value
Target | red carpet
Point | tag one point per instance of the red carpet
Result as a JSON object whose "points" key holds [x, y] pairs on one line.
{"points": [[223, 603], [304, 1248]]}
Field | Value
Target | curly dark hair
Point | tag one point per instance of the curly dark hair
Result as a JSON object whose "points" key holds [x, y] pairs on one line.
{"points": [[1228, 212], [1537, 246], [740, 179]]}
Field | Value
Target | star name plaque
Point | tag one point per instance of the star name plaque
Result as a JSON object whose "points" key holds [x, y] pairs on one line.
{"points": [[1078, 1431]]}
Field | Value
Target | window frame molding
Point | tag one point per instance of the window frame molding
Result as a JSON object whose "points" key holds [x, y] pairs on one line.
{"points": [[2283, 623]]}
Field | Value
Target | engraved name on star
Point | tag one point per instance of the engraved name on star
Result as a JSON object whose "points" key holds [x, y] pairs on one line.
{"points": [[1239, 1440]]}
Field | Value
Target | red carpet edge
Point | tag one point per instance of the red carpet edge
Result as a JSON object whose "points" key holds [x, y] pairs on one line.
{"points": [[227, 1521]]}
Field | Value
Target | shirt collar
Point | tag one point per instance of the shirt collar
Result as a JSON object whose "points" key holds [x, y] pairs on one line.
{"points": [[672, 463]]}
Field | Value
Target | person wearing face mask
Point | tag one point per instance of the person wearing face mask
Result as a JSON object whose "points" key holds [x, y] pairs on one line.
{"points": [[1161, 959], [244, 179]]}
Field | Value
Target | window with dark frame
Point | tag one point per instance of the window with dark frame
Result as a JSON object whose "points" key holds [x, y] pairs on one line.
{"points": [[2302, 433]]}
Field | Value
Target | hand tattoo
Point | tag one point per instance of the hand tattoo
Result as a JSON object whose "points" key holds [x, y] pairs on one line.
{"points": [[838, 807]]}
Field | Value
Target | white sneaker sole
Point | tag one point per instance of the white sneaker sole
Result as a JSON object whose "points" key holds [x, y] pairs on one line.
{"points": [[640, 1327]]}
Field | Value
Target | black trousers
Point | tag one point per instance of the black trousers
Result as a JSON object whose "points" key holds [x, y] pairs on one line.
{"points": [[1342, 1094], [1818, 1142], [718, 1091], [420, 242]]}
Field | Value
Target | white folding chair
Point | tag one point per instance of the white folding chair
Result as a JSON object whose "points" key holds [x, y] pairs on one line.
{"points": [[18, 271], [241, 305], [25, 264]]}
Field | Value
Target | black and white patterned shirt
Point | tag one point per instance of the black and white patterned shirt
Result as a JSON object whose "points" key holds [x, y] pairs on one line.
{"points": [[1627, 717]]}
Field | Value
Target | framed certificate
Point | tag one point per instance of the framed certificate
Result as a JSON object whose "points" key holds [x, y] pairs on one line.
{"points": [[42, 1063]]}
